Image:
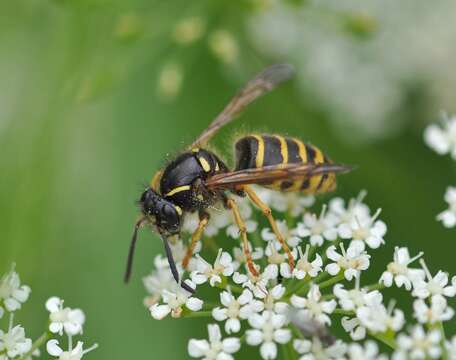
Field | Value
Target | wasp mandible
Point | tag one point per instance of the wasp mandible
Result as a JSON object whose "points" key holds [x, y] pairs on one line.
{"points": [[197, 178]]}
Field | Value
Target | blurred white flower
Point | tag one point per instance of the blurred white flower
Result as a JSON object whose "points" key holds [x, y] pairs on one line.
{"points": [[418, 345], [286, 202], [188, 30], [351, 262], [355, 209], [272, 299], [315, 350], [234, 310], [398, 270], [12, 293], [224, 46], [174, 303], [77, 353], [268, 329], [14, 343], [430, 314], [159, 280], [367, 352], [442, 139], [354, 327], [223, 266], [216, 347], [450, 347], [355, 298], [313, 306], [448, 217], [318, 229], [64, 319]]}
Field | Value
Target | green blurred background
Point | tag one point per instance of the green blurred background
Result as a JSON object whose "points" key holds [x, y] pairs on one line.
{"points": [[84, 123]]}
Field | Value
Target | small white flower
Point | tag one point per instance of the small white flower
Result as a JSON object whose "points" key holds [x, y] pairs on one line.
{"points": [[14, 343], [315, 350], [442, 139], [223, 265], [291, 236], [12, 294], [419, 345], [236, 309], [313, 306], [448, 217], [399, 272], [216, 348], [368, 231], [267, 331], [257, 284], [278, 262], [367, 352], [318, 229], [437, 285], [174, 303], [272, 297], [378, 319], [77, 353], [354, 327], [304, 267], [64, 319], [437, 311], [351, 262]]}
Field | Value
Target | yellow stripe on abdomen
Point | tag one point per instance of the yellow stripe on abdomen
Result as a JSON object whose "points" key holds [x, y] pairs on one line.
{"points": [[259, 159]]}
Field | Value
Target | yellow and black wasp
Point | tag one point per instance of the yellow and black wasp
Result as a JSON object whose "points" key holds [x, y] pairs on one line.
{"points": [[197, 179]]}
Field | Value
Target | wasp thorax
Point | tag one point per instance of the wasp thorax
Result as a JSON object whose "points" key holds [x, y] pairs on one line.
{"points": [[166, 215]]}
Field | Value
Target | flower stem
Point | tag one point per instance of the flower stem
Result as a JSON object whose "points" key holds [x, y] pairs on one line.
{"points": [[373, 287], [198, 314], [386, 338], [37, 344], [439, 326], [344, 312], [331, 281]]}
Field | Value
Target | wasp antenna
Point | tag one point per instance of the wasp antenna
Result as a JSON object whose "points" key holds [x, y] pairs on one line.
{"points": [[131, 252], [276, 74], [171, 262]]}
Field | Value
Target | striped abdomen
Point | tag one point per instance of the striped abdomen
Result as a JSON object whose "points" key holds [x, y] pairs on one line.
{"points": [[256, 151]]}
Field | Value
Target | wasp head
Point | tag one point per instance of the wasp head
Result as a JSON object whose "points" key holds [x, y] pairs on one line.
{"points": [[163, 213]]}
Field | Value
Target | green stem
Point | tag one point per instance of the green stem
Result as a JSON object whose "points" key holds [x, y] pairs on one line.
{"points": [[439, 326], [198, 314], [37, 344], [344, 312], [373, 287], [385, 338], [331, 281]]}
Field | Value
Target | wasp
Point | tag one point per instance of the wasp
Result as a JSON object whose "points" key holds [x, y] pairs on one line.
{"points": [[197, 179]]}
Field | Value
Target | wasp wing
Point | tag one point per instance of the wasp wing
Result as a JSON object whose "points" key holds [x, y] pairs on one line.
{"points": [[264, 82], [267, 174]]}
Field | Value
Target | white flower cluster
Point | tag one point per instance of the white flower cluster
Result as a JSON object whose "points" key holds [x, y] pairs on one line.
{"points": [[13, 342], [331, 251], [442, 139]]}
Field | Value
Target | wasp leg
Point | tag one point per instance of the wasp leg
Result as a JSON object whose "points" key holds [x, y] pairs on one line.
{"points": [[204, 219], [231, 204], [267, 212]]}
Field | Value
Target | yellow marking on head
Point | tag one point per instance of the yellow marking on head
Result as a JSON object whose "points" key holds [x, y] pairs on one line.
{"points": [[302, 150], [178, 209], [156, 180], [195, 150], [204, 164], [178, 189], [217, 167], [283, 148], [260, 153], [200, 197]]}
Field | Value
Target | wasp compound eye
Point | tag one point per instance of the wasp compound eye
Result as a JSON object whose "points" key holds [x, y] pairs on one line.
{"points": [[170, 217]]}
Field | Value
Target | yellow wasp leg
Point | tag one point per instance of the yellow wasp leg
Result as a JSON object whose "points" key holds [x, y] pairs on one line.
{"points": [[267, 212], [230, 203], [195, 238]]}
